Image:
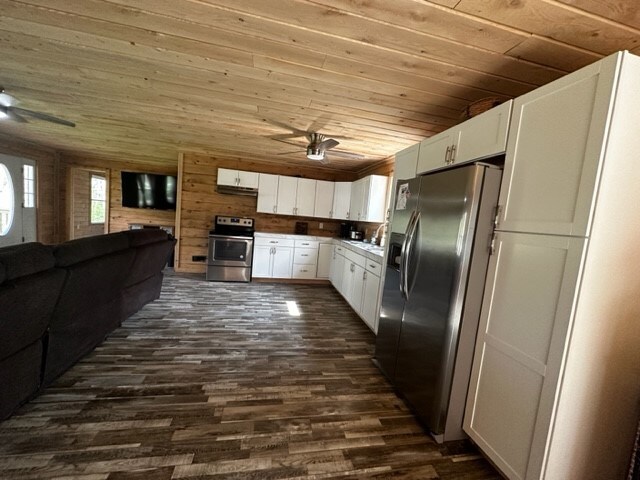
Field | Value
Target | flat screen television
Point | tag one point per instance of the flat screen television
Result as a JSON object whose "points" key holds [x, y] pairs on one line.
{"points": [[148, 190]]}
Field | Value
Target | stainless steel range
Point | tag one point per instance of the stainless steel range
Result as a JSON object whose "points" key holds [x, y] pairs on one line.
{"points": [[230, 249]]}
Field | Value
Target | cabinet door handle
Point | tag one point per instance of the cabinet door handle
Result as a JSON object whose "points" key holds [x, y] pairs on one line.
{"points": [[453, 154], [347, 215], [446, 156], [330, 213], [275, 209], [304, 255], [273, 241], [364, 275]]}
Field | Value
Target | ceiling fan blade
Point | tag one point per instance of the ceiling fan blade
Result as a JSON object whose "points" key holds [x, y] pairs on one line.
{"points": [[355, 156], [289, 153], [328, 144], [319, 123], [43, 116], [15, 117], [294, 131]]}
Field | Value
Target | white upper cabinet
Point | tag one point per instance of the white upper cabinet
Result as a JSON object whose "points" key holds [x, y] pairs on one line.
{"points": [[406, 164], [479, 137], [267, 193], [287, 191], [305, 197], [237, 178], [356, 204], [435, 151], [368, 199], [324, 199], [555, 144], [342, 200]]}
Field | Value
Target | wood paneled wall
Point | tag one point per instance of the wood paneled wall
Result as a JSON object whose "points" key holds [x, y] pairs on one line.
{"points": [[119, 217], [81, 204], [199, 203], [47, 160]]}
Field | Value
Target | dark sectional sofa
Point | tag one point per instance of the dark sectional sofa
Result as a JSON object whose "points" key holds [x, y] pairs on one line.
{"points": [[57, 303]]}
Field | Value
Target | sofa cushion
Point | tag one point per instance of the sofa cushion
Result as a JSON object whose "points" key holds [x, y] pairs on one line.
{"points": [[25, 259], [82, 249], [146, 236], [27, 304]]}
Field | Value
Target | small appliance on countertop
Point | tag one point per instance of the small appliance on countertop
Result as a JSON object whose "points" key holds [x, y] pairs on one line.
{"points": [[230, 249], [356, 235]]}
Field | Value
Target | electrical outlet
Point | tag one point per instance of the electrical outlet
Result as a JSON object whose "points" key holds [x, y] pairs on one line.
{"points": [[321, 225]]}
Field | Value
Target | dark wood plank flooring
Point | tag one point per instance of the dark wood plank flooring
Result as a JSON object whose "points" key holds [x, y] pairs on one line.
{"points": [[219, 381]]}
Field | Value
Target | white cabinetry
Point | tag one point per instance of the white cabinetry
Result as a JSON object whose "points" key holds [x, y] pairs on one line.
{"points": [[479, 137], [342, 200], [370, 295], [555, 372], [368, 197], [237, 178], [305, 258], [296, 196], [324, 199], [305, 197], [273, 257], [287, 191], [337, 266], [357, 278], [406, 164], [325, 256], [267, 193]]}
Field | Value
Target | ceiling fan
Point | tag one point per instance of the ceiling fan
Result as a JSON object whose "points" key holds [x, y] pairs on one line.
{"points": [[318, 145], [8, 109]]}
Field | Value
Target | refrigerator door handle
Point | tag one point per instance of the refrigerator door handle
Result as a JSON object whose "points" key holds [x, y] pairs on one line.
{"points": [[403, 256], [410, 243]]}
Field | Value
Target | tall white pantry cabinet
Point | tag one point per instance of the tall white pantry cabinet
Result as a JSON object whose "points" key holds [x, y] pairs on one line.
{"points": [[555, 386]]}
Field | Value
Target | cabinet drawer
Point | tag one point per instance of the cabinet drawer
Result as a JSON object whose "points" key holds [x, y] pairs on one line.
{"points": [[304, 271], [307, 243], [373, 267], [305, 256], [355, 257], [273, 242]]}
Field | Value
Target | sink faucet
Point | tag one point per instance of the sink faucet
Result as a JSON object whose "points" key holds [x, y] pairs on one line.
{"points": [[375, 235]]}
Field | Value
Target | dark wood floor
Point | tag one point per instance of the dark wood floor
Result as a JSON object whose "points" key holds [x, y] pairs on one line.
{"points": [[220, 381]]}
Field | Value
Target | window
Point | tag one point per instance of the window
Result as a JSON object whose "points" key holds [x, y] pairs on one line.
{"points": [[98, 198], [6, 200], [29, 197]]}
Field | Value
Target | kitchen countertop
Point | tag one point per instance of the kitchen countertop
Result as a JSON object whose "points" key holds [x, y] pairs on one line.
{"points": [[373, 252]]}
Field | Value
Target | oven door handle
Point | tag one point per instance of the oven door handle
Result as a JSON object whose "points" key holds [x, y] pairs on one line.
{"points": [[234, 237]]}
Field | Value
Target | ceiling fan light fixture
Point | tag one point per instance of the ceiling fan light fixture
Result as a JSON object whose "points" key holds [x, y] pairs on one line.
{"points": [[314, 153]]}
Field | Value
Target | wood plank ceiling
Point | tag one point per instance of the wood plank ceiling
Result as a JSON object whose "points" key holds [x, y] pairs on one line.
{"points": [[145, 79]]}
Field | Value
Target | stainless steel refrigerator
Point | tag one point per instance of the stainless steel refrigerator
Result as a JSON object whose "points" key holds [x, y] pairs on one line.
{"points": [[436, 268]]}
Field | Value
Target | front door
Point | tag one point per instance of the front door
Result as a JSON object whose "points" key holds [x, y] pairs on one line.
{"points": [[17, 200]]}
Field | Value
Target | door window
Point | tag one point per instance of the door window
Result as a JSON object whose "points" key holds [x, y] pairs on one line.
{"points": [[7, 204]]}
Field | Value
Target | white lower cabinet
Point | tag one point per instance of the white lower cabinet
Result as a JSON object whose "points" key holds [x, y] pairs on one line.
{"points": [[357, 278], [262, 265], [272, 257], [305, 259], [520, 345], [369, 310], [337, 266], [325, 254]]}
